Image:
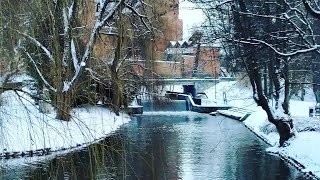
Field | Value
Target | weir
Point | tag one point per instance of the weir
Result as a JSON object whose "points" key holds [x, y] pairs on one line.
{"points": [[180, 102], [175, 101], [166, 105]]}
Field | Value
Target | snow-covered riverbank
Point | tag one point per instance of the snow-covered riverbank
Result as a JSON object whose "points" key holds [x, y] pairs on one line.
{"points": [[303, 149], [23, 128]]}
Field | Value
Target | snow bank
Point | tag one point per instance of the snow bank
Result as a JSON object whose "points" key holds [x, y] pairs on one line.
{"points": [[24, 128], [304, 148], [238, 95]]}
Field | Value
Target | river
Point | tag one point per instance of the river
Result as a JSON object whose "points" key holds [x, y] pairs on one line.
{"points": [[167, 145]]}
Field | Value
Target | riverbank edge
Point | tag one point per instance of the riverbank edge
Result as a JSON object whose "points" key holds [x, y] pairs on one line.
{"points": [[31, 161], [283, 156], [47, 152]]}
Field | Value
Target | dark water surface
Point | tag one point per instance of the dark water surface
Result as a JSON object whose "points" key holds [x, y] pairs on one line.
{"points": [[168, 145]]}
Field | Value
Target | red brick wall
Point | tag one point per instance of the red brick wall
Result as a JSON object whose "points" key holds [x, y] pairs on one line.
{"points": [[168, 69], [209, 65]]}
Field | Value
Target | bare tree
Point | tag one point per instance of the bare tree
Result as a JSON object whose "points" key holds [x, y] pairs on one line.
{"points": [[64, 34]]}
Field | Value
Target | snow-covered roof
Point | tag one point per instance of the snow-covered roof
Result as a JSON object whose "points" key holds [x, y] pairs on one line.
{"points": [[186, 44], [172, 43], [179, 44]]}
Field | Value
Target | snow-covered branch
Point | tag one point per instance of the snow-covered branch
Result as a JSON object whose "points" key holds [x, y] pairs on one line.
{"points": [[71, 11], [40, 74], [261, 15], [301, 17], [141, 16], [300, 51], [74, 55], [108, 7], [223, 3], [315, 13], [37, 43], [66, 48], [134, 10], [100, 21], [121, 62]]}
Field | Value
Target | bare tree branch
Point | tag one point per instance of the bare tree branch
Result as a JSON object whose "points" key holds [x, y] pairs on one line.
{"points": [[40, 74]]}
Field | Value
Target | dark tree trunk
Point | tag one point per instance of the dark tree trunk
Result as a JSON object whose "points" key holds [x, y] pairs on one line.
{"points": [[285, 104], [276, 82], [196, 61], [265, 78], [117, 94], [316, 80], [116, 91], [183, 68], [63, 103], [271, 69]]}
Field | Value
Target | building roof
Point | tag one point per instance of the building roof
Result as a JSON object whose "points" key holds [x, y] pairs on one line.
{"points": [[188, 44], [171, 44], [179, 44]]}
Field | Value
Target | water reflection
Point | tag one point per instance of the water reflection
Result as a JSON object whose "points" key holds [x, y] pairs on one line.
{"points": [[168, 146]]}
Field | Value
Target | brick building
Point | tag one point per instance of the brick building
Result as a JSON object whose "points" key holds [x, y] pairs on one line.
{"points": [[180, 60], [171, 57]]}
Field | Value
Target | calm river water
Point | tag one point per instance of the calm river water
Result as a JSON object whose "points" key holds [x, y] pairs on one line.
{"points": [[168, 145]]}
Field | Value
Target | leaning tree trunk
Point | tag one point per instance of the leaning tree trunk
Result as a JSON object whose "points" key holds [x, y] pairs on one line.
{"points": [[283, 124]]}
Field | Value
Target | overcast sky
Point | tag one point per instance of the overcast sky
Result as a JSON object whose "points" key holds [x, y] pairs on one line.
{"points": [[190, 17]]}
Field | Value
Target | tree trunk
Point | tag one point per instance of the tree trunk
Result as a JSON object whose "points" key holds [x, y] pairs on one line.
{"points": [[276, 82], [265, 78], [117, 94], [316, 80], [283, 125], [183, 68], [270, 69], [285, 104], [196, 61], [63, 104], [284, 128], [148, 51]]}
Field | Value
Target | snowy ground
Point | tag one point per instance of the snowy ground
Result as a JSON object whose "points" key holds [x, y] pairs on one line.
{"points": [[24, 128], [304, 148]]}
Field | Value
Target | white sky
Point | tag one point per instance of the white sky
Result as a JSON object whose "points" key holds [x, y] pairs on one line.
{"points": [[190, 17]]}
